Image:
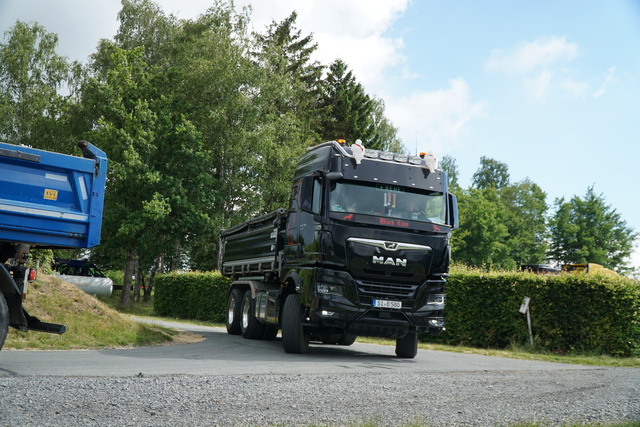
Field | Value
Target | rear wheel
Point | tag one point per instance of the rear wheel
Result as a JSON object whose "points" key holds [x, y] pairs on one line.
{"points": [[250, 326], [4, 320], [294, 337], [234, 307], [407, 346]]}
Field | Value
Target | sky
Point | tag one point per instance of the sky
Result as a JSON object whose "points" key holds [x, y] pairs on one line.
{"points": [[551, 88]]}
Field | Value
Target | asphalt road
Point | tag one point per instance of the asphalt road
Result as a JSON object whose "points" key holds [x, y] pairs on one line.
{"points": [[223, 354]]}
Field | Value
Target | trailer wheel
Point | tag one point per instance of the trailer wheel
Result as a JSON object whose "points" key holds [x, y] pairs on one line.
{"points": [[250, 326], [294, 338], [234, 314], [4, 320], [407, 346]]}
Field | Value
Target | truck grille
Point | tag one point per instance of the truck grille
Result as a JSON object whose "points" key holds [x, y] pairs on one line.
{"points": [[382, 290]]}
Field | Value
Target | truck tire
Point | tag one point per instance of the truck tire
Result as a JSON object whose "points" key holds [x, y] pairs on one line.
{"points": [[234, 312], [407, 346], [294, 338], [4, 320], [347, 339], [250, 326]]}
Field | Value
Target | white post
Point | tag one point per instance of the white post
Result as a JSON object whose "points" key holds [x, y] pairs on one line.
{"points": [[524, 309]]}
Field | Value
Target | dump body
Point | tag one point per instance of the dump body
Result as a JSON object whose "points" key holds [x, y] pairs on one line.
{"points": [[362, 249], [47, 200]]}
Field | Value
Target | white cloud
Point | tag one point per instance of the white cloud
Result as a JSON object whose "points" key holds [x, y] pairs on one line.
{"points": [[541, 65], [539, 85], [435, 119], [576, 88], [353, 31], [608, 80], [528, 57]]}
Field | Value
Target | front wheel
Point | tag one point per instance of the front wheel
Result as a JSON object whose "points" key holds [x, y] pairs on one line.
{"points": [[294, 337], [407, 346], [4, 320]]}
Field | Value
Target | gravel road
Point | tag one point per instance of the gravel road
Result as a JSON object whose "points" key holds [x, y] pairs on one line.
{"points": [[226, 380], [438, 399]]}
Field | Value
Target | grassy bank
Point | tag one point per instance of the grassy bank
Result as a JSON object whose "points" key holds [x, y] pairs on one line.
{"points": [[90, 323]]}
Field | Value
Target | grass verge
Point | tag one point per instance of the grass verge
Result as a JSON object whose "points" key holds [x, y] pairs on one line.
{"points": [[90, 323]]}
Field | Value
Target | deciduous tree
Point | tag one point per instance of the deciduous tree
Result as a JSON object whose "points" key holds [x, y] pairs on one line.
{"points": [[31, 76], [586, 229]]}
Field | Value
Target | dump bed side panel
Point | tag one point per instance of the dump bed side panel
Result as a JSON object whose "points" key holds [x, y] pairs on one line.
{"points": [[50, 199], [252, 247]]}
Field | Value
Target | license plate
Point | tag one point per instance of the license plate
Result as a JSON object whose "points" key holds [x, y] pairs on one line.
{"points": [[383, 303]]}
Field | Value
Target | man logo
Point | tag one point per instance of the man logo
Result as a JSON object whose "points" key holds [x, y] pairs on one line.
{"points": [[398, 262]]}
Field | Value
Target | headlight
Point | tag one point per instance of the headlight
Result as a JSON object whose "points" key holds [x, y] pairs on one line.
{"points": [[327, 289], [435, 302]]}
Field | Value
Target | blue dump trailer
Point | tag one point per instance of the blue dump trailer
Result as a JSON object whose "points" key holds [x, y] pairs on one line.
{"points": [[47, 200]]}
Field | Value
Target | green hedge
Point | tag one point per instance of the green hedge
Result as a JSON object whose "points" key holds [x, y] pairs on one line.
{"points": [[568, 312], [199, 296]]}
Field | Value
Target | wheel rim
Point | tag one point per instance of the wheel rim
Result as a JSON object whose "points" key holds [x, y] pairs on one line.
{"points": [[231, 311], [245, 315]]}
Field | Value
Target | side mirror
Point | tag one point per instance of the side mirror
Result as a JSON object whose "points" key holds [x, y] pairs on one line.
{"points": [[335, 169], [453, 211], [334, 176]]}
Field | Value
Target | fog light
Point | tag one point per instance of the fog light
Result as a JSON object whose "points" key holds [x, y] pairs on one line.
{"points": [[436, 323], [325, 313]]}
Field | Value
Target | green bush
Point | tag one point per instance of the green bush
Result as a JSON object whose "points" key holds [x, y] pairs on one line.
{"points": [[199, 296], [569, 312]]}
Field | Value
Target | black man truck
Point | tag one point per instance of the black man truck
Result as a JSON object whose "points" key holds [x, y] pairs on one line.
{"points": [[362, 249], [47, 200]]}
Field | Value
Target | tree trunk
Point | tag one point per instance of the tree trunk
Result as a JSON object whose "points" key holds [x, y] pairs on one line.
{"points": [[129, 266], [157, 266], [138, 281]]}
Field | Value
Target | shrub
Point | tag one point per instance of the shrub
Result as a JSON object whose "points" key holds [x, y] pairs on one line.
{"points": [[199, 296], [568, 312]]}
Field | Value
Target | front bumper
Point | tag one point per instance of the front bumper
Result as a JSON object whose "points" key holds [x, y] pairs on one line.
{"points": [[346, 304]]}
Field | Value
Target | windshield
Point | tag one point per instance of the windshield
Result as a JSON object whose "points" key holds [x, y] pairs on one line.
{"points": [[388, 200]]}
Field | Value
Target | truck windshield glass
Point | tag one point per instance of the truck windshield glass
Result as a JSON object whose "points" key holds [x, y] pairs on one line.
{"points": [[388, 200]]}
